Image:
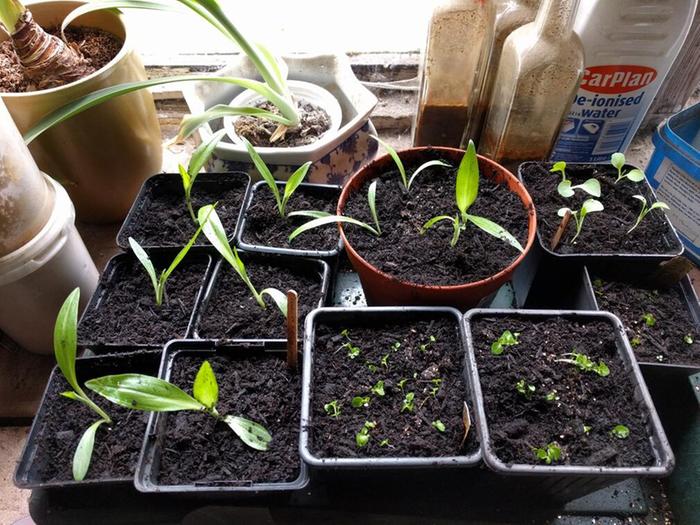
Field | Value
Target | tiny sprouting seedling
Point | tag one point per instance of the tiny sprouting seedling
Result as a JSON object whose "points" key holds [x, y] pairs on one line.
{"points": [[582, 362], [290, 186], [507, 338], [408, 402], [214, 230], [688, 339], [385, 360], [566, 190], [525, 389], [65, 346], [407, 182], [151, 394], [466, 191], [360, 402], [635, 341], [378, 388], [633, 175], [197, 160], [436, 386], [322, 218], [354, 351], [552, 396], [372, 367], [438, 425], [401, 383], [158, 281], [424, 346], [649, 319], [587, 429], [384, 443], [620, 431], [395, 347], [362, 437], [332, 408], [549, 454], [646, 209], [589, 206]]}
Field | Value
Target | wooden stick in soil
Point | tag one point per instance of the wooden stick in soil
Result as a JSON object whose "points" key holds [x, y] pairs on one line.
{"points": [[292, 329], [556, 238]]}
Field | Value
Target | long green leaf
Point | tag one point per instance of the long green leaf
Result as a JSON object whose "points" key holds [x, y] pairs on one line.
{"points": [[314, 214], [142, 392], [65, 338], [183, 252], [467, 186], [432, 222], [186, 179], [264, 173], [424, 167], [293, 183], [496, 230], [190, 123], [591, 186], [635, 175], [83, 452], [372, 202], [397, 160], [251, 433], [146, 262], [205, 388], [321, 221], [202, 153], [215, 232], [115, 4], [278, 297]]}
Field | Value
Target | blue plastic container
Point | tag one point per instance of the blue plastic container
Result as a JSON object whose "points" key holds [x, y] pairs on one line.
{"points": [[674, 173]]}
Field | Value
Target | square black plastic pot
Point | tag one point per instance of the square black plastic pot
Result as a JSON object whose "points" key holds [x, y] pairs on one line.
{"points": [[171, 184], [315, 268], [148, 468], [28, 472], [386, 465], [329, 190], [565, 482], [161, 260]]}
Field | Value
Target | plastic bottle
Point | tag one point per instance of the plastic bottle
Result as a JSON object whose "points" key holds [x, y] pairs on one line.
{"points": [[630, 47], [510, 15], [453, 69], [539, 71]]}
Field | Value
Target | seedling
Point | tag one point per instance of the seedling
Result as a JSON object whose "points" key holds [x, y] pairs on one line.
{"points": [[354, 351], [566, 190], [214, 230], [438, 425], [525, 389], [633, 175], [646, 209], [408, 402], [401, 383], [587, 429], [158, 281], [372, 367], [407, 182], [384, 443], [620, 431], [64, 344], [395, 347], [507, 338], [151, 394], [332, 408], [378, 388], [582, 362], [688, 339], [466, 191], [360, 402], [549, 454], [424, 347], [436, 386], [635, 341], [551, 396], [362, 437], [589, 206], [289, 188], [385, 360], [649, 319]]}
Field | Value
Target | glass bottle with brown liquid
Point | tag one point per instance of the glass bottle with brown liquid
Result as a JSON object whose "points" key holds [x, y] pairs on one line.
{"points": [[453, 68], [539, 71]]}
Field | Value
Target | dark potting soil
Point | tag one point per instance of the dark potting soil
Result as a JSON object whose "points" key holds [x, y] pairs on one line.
{"points": [[197, 448], [64, 421], [127, 312], [265, 227], [97, 46], [404, 253], [604, 231], [164, 220], [232, 313], [437, 368], [314, 123], [674, 338], [518, 424]]}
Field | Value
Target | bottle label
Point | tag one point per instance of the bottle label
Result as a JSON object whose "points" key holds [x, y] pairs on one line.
{"points": [[604, 113]]}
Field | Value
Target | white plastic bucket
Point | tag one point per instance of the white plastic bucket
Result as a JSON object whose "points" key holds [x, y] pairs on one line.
{"points": [[36, 278]]}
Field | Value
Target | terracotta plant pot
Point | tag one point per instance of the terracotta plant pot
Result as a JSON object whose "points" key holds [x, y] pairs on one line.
{"points": [[383, 289], [104, 154]]}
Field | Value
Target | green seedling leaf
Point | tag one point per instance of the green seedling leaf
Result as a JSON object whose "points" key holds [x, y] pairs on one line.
{"points": [[649, 320], [360, 402], [378, 388], [142, 392], [525, 389], [591, 186], [279, 298], [551, 453], [587, 429], [559, 167], [467, 186], [202, 153], [620, 431], [635, 175], [584, 363], [618, 162], [564, 189], [496, 230], [65, 338], [372, 202], [424, 167], [329, 219], [395, 156], [83, 452], [551, 396], [362, 437], [408, 402], [688, 339], [507, 338], [293, 183], [438, 425], [264, 173], [251, 433], [332, 408], [205, 388], [384, 443], [646, 210]]}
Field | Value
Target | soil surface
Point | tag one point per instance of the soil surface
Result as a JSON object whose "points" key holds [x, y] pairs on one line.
{"points": [[97, 46], [117, 446], [604, 231], [314, 123], [265, 227], [163, 219], [127, 313], [198, 448], [437, 368], [674, 337], [404, 253], [232, 313], [518, 423]]}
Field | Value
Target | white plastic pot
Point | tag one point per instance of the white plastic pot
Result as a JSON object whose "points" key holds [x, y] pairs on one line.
{"points": [[36, 278]]}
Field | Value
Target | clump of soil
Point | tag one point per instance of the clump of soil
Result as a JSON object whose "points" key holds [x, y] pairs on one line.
{"points": [[585, 406], [199, 449], [98, 47], [315, 121], [404, 253], [265, 227], [669, 336], [427, 362], [604, 231]]}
